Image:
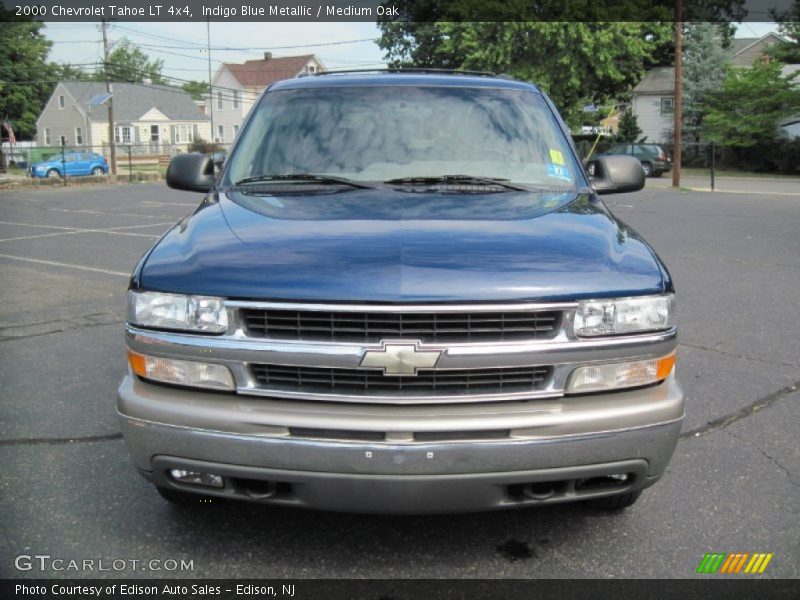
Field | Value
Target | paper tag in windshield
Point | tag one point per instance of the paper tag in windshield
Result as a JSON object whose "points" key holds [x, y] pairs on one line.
{"points": [[556, 157], [558, 172]]}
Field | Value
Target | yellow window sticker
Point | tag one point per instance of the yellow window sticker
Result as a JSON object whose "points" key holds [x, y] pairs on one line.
{"points": [[556, 157]]}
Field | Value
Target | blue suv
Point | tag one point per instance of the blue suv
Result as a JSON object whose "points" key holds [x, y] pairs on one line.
{"points": [[73, 164], [402, 294]]}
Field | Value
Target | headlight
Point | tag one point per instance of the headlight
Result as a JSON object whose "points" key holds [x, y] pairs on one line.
{"points": [[598, 378], [175, 311], [181, 372], [624, 315]]}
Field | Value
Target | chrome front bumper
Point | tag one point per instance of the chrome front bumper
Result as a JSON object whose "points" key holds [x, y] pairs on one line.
{"points": [[251, 439]]}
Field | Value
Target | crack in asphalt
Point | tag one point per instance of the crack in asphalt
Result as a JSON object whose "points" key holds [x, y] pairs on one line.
{"points": [[59, 325], [739, 356], [742, 413], [91, 439], [768, 456]]}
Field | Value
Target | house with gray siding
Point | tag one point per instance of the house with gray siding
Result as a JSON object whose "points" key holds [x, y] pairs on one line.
{"points": [[654, 97], [235, 88], [149, 119]]}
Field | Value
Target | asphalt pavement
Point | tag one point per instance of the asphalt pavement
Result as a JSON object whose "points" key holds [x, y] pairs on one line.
{"points": [[69, 490]]}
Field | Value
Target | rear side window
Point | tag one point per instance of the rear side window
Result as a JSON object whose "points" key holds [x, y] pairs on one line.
{"points": [[379, 133]]}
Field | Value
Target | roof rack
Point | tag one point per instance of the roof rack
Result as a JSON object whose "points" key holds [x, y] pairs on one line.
{"points": [[406, 70]]}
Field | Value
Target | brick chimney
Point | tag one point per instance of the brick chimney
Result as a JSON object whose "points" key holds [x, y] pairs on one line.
{"points": [[267, 55]]}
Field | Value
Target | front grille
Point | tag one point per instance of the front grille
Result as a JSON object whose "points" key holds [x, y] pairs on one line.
{"points": [[358, 327], [364, 382]]}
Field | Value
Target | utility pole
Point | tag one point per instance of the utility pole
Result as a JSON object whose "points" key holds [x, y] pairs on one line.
{"points": [[210, 89], [111, 145], [678, 121]]}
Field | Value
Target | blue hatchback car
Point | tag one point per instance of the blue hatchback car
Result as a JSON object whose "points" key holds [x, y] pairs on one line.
{"points": [[72, 164]]}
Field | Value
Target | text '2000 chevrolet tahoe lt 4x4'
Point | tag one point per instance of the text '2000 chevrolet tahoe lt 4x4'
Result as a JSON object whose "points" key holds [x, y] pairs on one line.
{"points": [[402, 293]]}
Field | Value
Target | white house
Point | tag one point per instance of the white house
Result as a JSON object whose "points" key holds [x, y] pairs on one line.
{"points": [[654, 97], [150, 119], [235, 87]]}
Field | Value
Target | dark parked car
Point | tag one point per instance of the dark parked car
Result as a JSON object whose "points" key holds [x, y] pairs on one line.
{"points": [[73, 164], [655, 161], [402, 294]]}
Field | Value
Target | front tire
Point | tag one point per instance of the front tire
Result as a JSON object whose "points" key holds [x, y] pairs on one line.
{"points": [[617, 502], [53, 173], [97, 171]]}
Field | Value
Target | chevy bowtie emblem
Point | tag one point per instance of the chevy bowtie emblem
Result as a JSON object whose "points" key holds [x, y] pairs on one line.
{"points": [[400, 358]]}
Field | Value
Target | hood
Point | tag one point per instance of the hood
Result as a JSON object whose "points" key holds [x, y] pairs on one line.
{"points": [[390, 246]]}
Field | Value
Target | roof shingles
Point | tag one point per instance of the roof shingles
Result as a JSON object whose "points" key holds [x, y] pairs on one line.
{"points": [[133, 100], [265, 72]]}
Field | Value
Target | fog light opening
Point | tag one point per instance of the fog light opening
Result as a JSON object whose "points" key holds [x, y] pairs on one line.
{"points": [[197, 478], [611, 480]]}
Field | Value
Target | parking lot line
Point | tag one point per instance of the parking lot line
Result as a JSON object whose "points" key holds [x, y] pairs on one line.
{"points": [[86, 211], [67, 265], [77, 230]]}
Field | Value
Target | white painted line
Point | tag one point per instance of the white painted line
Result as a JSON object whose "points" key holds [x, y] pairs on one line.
{"points": [[96, 213], [41, 235], [75, 230], [68, 265], [134, 226], [150, 202], [41, 226]]}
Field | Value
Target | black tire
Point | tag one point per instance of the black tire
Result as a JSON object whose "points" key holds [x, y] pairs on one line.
{"points": [[53, 173], [97, 171], [648, 169], [618, 502], [178, 497]]}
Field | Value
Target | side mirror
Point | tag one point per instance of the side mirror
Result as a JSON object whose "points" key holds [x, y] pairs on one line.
{"points": [[193, 172], [615, 174]]}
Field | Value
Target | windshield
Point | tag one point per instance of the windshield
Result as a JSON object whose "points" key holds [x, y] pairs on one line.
{"points": [[388, 133]]}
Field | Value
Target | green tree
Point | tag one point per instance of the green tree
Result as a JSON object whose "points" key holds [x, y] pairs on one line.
{"points": [[629, 130], [196, 89], [575, 63], [746, 110], [24, 72], [705, 64], [128, 63], [789, 28]]}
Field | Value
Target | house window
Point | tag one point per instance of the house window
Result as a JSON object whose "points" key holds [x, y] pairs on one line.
{"points": [[78, 135], [312, 69], [667, 105], [63, 140], [47, 137], [235, 98], [61, 102], [235, 130], [219, 100], [122, 134], [220, 133], [154, 133], [184, 134]]}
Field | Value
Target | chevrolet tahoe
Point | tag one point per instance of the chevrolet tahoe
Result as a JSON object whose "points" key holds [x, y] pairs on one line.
{"points": [[402, 294]]}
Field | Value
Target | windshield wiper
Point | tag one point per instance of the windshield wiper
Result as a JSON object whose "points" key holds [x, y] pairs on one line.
{"points": [[456, 180], [304, 177]]}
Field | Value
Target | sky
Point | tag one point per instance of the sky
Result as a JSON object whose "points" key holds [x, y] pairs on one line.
{"points": [[189, 60], [339, 45]]}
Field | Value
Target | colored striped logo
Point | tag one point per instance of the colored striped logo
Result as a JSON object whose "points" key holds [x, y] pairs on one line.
{"points": [[734, 562]]}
